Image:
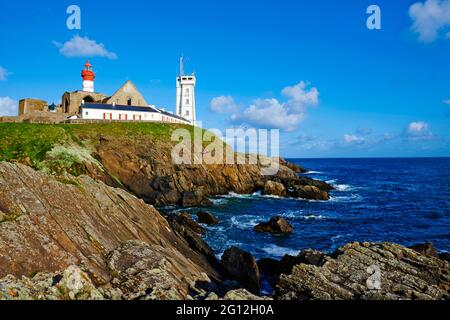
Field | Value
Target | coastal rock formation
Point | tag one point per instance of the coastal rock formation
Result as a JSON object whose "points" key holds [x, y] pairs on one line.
{"points": [[276, 225], [144, 167], [368, 271], [207, 218], [242, 267], [147, 272], [274, 188], [47, 225], [427, 249]]}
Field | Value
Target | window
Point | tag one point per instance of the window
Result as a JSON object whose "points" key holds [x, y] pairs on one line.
{"points": [[187, 101], [107, 116], [129, 101], [187, 93], [187, 113], [123, 117]]}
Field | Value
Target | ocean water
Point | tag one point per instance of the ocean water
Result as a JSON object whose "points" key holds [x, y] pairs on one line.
{"points": [[406, 201]]}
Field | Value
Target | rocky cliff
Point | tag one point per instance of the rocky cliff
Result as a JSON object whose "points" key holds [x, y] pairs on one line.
{"points": [[48, 225]]}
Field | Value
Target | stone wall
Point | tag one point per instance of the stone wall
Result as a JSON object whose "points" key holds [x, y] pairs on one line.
{"points": [[71, 101], [30, 105]]}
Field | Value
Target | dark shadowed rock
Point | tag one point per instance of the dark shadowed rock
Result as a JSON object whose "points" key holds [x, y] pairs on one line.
{"points": [[242, 267], [189, 230], [207, 218], [427, 249], [444, 256], [351, 273], [191, 199], [274, 188], [276, 225], [308, 192]]}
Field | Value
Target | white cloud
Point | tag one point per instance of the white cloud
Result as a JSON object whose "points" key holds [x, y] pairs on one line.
{"points": [[417, 131], [271, 113], [223, 104], [4, 74], [8, 107], [430, 18], [353, 139], [84, 47]]}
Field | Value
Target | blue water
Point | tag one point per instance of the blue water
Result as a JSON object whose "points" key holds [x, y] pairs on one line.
{"points": [[406, 201]]}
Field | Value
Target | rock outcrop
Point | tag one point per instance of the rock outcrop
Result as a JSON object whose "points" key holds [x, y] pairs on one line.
{"points": [[276, 225], [144, 166], [241, 266], [368, 271], [207, 218], [274, 188], [47, 225]]}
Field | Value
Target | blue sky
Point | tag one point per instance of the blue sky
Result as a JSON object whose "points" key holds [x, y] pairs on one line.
{"points": [[311, 68]]}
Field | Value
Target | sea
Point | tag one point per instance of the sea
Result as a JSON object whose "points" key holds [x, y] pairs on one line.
{"points": [[405, 201]]}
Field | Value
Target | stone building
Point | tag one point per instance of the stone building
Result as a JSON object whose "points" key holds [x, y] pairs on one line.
{"points": [[71, 101], [28, 105]]}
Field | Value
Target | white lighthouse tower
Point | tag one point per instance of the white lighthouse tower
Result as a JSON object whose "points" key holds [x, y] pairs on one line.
{"points": [[186, 94]]}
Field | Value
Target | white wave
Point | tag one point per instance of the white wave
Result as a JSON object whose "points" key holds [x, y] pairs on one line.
{"points": [[279, 252], [244, 222], [350, 198], [333, 181], [314, 172], [313, 216], [343, 187], [219, 201]]}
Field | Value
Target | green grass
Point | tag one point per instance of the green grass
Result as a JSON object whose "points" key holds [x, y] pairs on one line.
{"points": [[19, 141]]}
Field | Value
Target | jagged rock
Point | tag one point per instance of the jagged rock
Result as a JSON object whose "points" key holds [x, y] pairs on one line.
{"points": [[191, 199], [51, 225], [272, 268], [308, 192], [352, 273], [207, 218], [276, 225], [242, 267], [427, 249], [242, 295], [147, 272], [274, 188], [189, 230], [72, 284]]}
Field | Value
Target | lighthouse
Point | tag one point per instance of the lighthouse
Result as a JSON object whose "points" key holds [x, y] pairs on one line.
{"points": [[88, 77], [185, 104]]}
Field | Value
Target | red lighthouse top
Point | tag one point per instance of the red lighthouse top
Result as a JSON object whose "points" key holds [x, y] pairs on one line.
{"points": [[87, 74]]}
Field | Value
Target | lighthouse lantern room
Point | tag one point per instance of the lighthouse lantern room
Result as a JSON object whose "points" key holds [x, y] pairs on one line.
{"points": [[88, 77]]}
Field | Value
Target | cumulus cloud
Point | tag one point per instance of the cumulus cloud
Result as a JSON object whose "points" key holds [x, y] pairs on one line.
{"points": [[8, 107], [79, 47], [224, 104], [4, 74], [418, 131], [272, 113], [353, 139], [430, 18]]}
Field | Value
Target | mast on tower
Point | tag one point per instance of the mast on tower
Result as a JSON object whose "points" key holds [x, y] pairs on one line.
{"points": [[182, 65]]}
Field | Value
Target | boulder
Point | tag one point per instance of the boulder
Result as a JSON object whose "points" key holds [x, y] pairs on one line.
{"points": [[427, 249], [274, 188], [207, 218], [241, 266], [276, 225], [368, 271], [191, 199], [308, 192]]}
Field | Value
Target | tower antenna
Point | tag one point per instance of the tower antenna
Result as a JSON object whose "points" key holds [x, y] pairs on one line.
{"points": [[182, 65]]}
